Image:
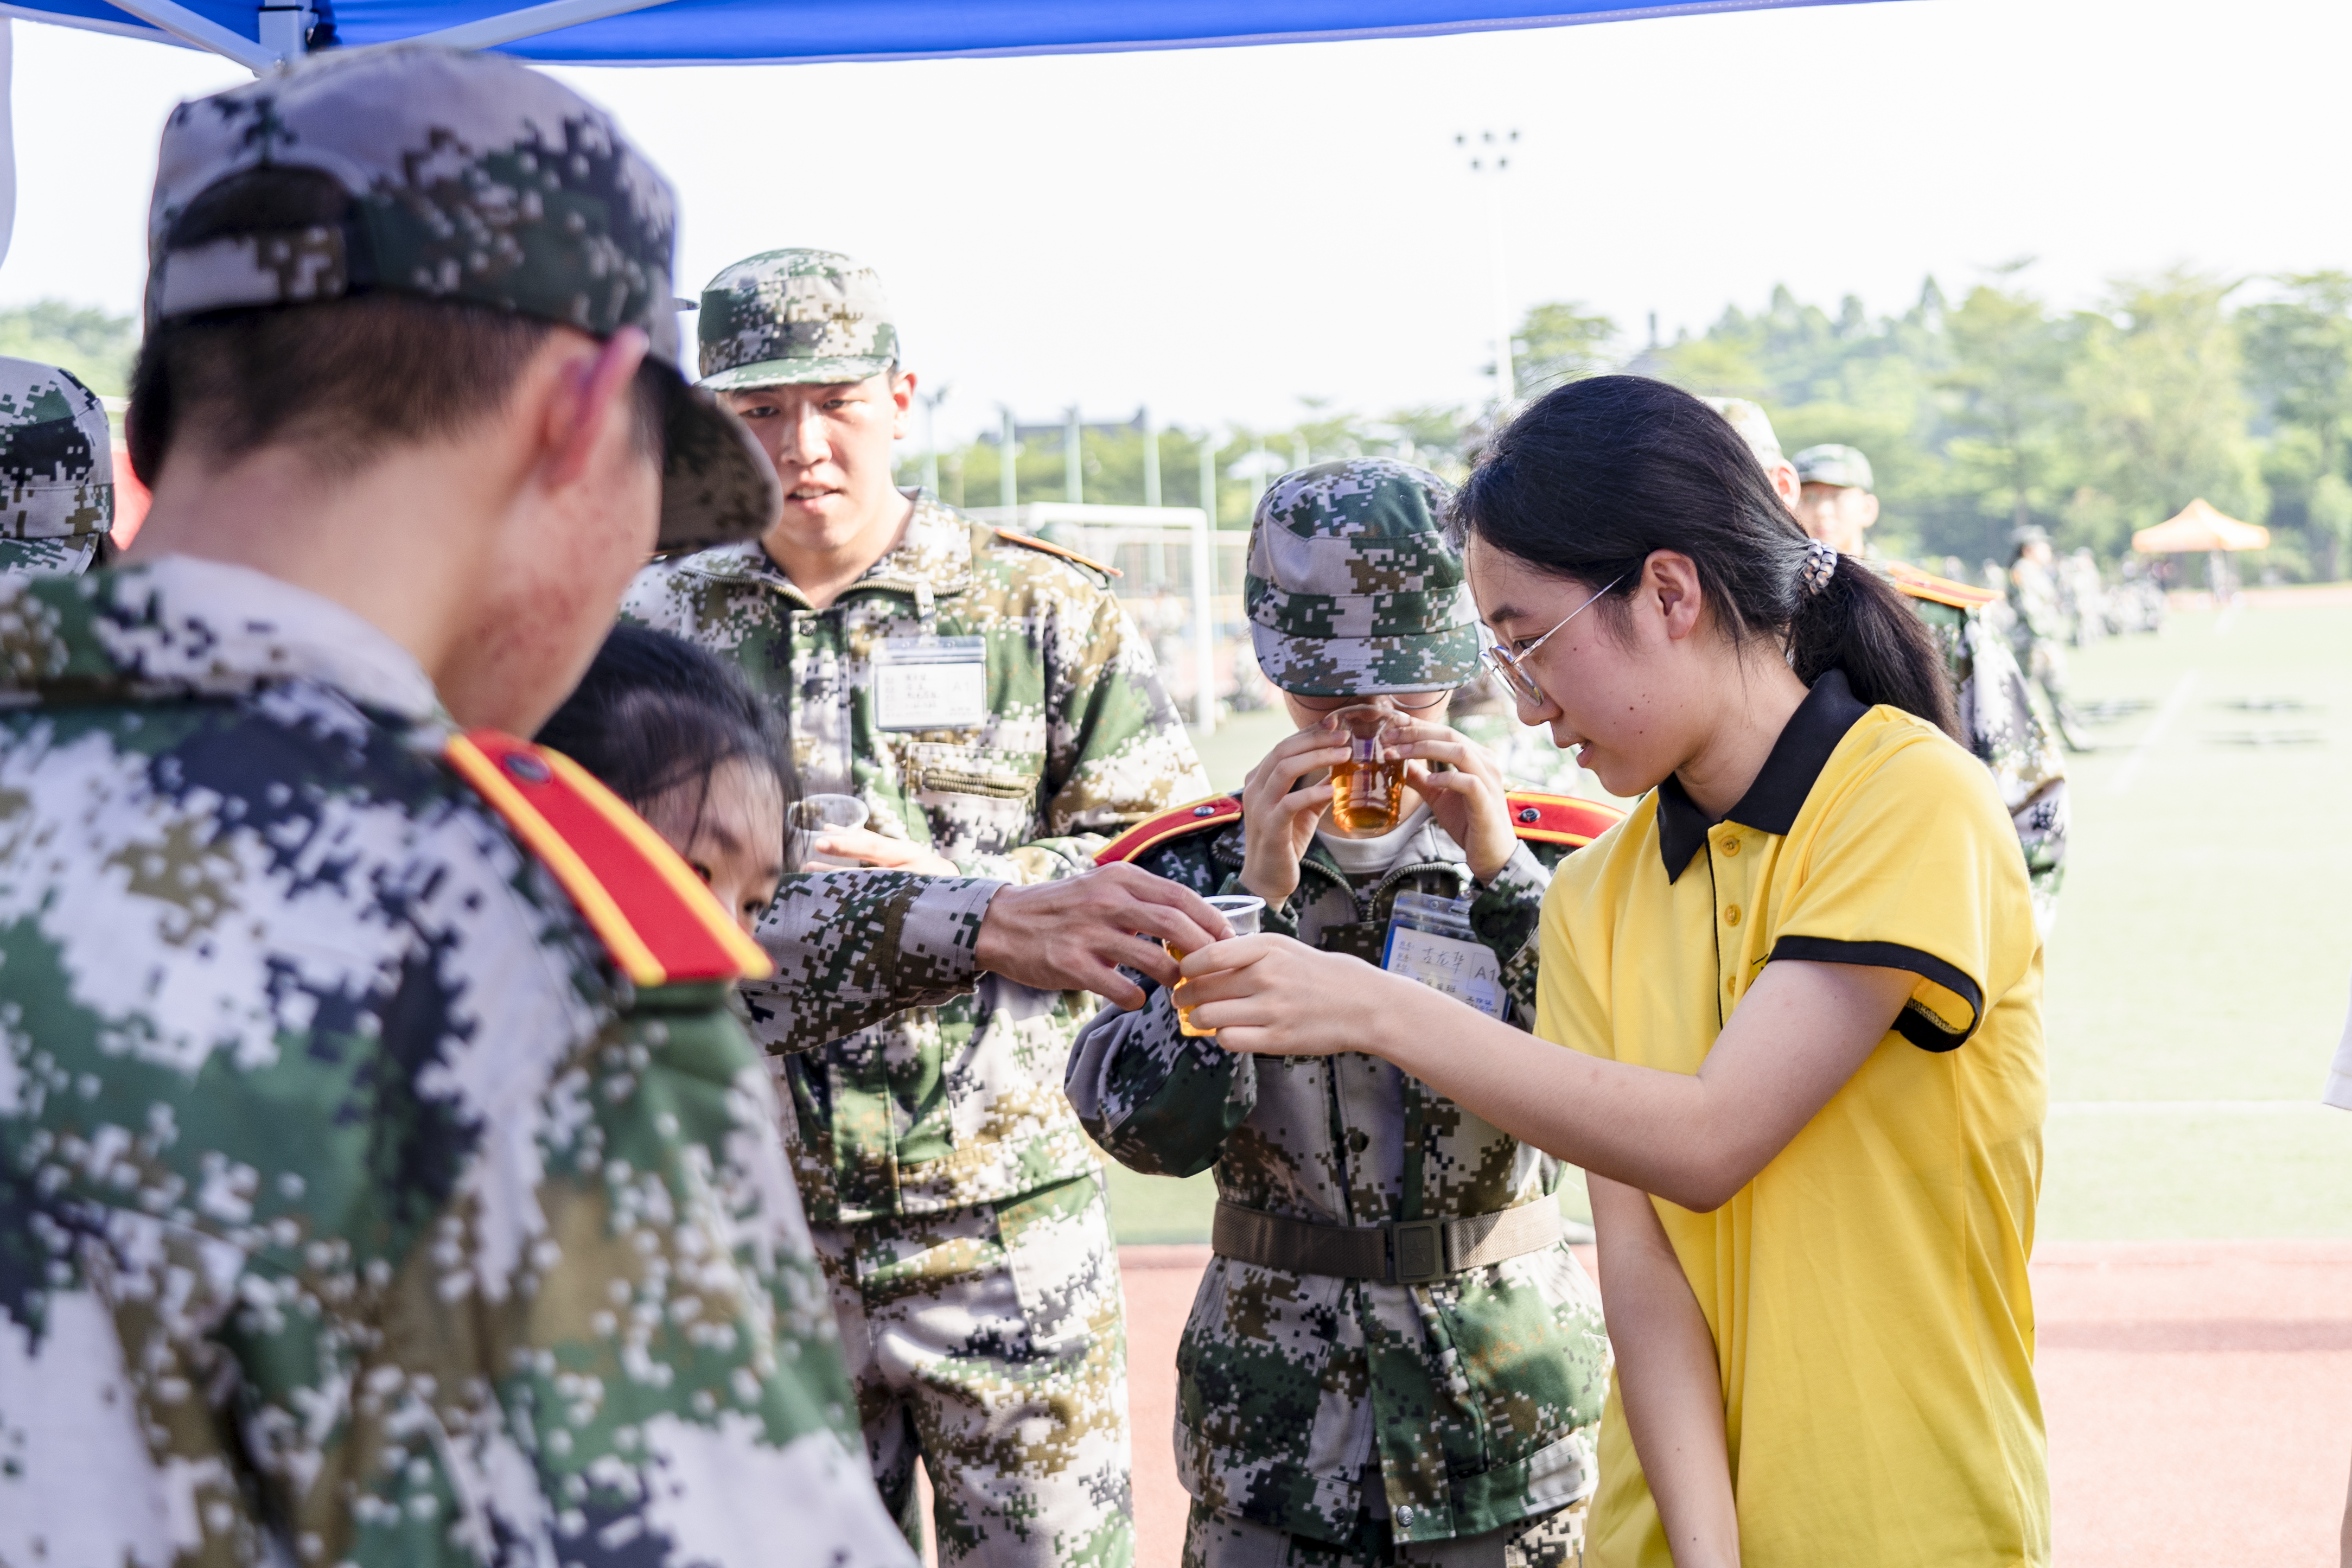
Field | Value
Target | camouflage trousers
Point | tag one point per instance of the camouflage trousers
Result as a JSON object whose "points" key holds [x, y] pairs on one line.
{"points": [[1554, 1540], [990, 1343]]}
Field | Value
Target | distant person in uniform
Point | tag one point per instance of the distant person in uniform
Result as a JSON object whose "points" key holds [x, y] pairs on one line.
{"points": [[2042, 629], [57, 471], [1839, 507], [1343, 1399], [998, 713]]}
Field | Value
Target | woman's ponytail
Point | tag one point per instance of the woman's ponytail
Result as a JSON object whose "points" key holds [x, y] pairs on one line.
{"points": [[1592, 477], [1855, 620]]}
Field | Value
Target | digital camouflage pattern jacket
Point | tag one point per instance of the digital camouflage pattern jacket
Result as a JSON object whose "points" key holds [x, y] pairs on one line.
{"points": [[1065, 737], [352, 1207], [1475, 1399], [2008, 734]]}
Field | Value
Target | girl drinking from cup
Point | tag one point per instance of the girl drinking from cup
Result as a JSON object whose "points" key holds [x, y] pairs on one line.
{"points": [[1801, 991], [1394, 1357]]}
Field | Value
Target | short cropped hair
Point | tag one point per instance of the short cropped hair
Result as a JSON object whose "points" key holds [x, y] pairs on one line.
{"points": [[345, 381]]}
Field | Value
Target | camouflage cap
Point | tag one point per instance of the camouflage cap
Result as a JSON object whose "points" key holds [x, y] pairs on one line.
{"points": [[1352, 588], [57, 469], [1830, 464], [470, 178], [1755, 427], [792, 318]]}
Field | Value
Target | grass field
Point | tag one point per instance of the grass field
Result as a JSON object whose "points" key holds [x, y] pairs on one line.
{"points": [[2198, 974]]}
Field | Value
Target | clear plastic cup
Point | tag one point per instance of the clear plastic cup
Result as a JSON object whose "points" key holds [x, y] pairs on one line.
{"points": [[1241, 914], [1368, 789], [814, 817]]}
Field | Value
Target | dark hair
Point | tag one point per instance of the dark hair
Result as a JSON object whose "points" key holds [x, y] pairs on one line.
{"points": [[1592, 477], [345, 381], [656, 711]]}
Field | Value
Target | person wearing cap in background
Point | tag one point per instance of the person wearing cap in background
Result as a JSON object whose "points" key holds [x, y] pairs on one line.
{"points": [[57, 470], [1755, 427], [2039, 627], [2005, 728], [1343, 1399], [999, 715], [383, 1177]]}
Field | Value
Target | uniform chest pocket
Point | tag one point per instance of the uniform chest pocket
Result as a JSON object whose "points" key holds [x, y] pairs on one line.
{"points": [[984, 771]]}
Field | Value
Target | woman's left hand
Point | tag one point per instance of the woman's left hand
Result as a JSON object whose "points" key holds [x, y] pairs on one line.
{"points": [[1468, 799], [878, 853], [1272, 997]]}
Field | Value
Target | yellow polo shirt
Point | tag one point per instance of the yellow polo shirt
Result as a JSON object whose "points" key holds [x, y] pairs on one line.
{"points": [[1867, 1291]]}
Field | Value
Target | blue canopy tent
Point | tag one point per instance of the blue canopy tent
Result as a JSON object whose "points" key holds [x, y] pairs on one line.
{"points": [[745, 32]]}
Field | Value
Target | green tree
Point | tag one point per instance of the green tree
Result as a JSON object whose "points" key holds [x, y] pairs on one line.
{"points": [[2298, 350], [94, 345], [2158, 381], [2008, 411], [1562, 342]]}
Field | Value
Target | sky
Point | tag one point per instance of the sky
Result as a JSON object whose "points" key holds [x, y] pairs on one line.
{"points": [[1220, 233]]}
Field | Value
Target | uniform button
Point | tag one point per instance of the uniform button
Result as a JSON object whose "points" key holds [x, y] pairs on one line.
{"points": [[1731, 846], [1404, 1513], [1530, 813], [1731, 914], [528, 768], [1204, 811]]}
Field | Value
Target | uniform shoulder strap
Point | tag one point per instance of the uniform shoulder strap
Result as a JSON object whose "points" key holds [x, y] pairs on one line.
{"points": [[1917, 584], [1050, 548], [1214, 812], [654, 915], [1542, 817]]}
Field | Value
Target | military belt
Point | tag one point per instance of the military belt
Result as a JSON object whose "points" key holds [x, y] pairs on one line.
{"points": [[1404, 1252]]}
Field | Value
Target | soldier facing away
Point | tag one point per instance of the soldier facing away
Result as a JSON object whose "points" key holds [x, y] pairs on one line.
{"points": [[999, 716], [1839, 506], [382, 1177], [57, 470], [1394, 1357]]}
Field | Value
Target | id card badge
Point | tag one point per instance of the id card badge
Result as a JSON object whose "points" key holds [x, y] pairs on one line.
{"points": [[930, 683], [1431, 940]]}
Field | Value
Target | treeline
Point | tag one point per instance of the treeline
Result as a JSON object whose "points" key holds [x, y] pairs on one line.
{"points": [[1978, 416]]}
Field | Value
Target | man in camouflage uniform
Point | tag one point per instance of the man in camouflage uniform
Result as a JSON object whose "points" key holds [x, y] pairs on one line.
{"points": [[355, 1207], [2039, 627], [2008, 734], [1329, 1415], [57, 470], [999, 714]]}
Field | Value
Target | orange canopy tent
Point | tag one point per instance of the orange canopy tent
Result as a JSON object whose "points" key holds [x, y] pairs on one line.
{"points": [[2199, 527]]}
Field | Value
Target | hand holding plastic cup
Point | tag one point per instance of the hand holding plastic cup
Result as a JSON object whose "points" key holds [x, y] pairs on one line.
{"points": [[814, 817], [1240, 914], [1368, 789]]}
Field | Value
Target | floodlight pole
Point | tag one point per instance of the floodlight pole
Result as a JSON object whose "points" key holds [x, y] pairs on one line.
{"points": [[1204, 589], [931, 401], [1008, 479], [1490, 155], [1150, 456], [1074, 484]]}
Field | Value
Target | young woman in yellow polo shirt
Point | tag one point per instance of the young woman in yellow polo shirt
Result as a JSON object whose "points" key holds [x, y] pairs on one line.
{"points": [[1802, 989]]}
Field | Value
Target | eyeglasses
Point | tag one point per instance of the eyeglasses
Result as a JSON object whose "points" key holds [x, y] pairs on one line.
{"points": [[1511, 668], [1327, 705]]}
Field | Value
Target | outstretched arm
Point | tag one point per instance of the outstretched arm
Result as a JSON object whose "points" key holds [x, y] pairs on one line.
{"points": [[852, 947], [1801, 1032]]}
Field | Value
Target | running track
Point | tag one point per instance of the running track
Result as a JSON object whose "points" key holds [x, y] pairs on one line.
{"points": [[2198, 1397]]}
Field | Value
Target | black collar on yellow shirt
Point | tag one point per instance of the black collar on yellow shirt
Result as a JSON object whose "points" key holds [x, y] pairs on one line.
{"points": [[1772, 802]]}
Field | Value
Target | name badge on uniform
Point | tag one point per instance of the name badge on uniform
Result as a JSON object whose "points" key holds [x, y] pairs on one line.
{"points": [[1431, 940], [930, 683]]}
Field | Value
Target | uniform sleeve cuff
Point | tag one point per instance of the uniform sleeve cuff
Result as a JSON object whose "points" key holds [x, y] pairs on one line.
{"points": [[1943, 1010], [941, 935]]}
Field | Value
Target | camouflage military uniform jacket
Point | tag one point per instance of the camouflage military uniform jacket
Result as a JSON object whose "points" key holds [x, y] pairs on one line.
{"points": [[945, 1107], [2010, 737], [351, 1207], [1476, 1398]]}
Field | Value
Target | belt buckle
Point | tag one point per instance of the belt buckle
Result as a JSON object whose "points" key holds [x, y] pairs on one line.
{"points": [[1416, 1251]]}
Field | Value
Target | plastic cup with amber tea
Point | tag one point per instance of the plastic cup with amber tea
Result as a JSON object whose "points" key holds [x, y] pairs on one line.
{"points": [[814, 817], [1241, 914], [1368, 789]]}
